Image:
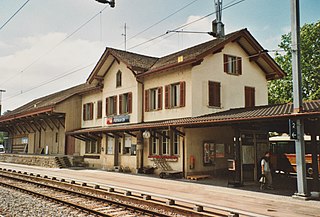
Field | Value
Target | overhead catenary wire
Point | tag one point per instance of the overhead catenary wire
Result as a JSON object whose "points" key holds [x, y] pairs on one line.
{"points": [[54, 47], [185, 25], [65, 74], [160, 21], [14, 15]]}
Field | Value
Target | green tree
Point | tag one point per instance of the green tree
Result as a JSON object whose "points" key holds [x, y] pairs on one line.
{"points": [[280, 91]]}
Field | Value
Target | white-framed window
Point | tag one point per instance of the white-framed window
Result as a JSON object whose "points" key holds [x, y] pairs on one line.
{"points": [[127, 145], [125, 103], [87, 111], [176, 144], [110, 145], [111, 105], [232, 64], [175, 95], [93, 147], [154, 145], [153, 99], [165, 143]]}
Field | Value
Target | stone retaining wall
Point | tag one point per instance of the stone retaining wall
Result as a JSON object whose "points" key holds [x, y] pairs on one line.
{"points": [[34, 160]]}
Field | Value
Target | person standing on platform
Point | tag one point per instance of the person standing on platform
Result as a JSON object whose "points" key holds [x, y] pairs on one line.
{"points": [[266, 170]]}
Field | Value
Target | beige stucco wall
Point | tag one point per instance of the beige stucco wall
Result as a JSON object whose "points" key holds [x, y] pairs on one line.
{"points": [[162, 79], [232, 86], [194, 141], [129, 84], [92, 98]]}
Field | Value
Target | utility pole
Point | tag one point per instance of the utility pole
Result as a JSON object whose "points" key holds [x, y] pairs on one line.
{"points": [[125, 36], [217, 25], [1, 91], [297, 100]]}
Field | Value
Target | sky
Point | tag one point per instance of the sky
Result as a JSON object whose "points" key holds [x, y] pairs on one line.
{"points": [[50, 45]]}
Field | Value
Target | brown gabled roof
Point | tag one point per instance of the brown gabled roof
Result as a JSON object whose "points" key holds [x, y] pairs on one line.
{"points": [[46, 103], [230, 116], [145, 65], [196, 53], [133, 60], [136, 62]]}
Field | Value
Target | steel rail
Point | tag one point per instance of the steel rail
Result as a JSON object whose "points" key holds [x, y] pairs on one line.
{"points": [[104, 200], [198, 207]]}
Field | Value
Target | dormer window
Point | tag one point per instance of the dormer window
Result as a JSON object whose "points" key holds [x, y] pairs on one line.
{"points": [[232, 64], [119, 79]]}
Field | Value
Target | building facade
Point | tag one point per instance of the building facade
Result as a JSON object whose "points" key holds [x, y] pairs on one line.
{"points": [[126, 123]]}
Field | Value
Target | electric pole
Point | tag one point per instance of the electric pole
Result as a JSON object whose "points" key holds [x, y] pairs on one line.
{"points": [[217, 25], [1, 91], [297, 100], [125, 36]]}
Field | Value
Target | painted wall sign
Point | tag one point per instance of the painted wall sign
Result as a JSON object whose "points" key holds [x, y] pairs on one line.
{"points": [[118, 119]]}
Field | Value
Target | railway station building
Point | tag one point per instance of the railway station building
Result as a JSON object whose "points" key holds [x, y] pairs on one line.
{"points": [[202, 110], [39, 126], [181, 111]]}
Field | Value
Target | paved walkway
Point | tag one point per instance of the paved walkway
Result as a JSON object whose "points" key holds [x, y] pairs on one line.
{"points": [[262, 203]]}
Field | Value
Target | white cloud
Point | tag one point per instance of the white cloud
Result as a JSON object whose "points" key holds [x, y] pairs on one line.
{"points": [[48, 64]]}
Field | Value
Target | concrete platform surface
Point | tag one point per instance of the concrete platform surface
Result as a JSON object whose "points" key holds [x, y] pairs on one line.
{"points": [[258, 202]]}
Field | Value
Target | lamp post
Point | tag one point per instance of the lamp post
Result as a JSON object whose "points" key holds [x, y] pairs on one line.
{"points": [[1, 91], [112, 3]]}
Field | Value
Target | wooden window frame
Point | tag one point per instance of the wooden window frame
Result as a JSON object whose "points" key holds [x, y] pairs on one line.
{"points": [[237, 69], [214, 94]]}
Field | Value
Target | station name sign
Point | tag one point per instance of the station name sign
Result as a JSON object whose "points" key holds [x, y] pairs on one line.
{"points": [[118, 119]]}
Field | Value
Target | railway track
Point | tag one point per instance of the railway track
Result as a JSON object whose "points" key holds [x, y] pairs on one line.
{"points": [[101, 201]]}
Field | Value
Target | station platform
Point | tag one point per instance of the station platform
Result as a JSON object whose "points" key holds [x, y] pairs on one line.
{"points": [[264, 203]]}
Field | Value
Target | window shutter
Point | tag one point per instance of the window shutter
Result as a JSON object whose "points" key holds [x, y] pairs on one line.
{"points": [[120, 104], [211, 93], [214, 93], [217, 94], [84, 112], [130, 102], [239, 65], [146, 100], [225, 62], [91, 111], [167, 97], [115, 105], [182, 94], [160, 98], [107, 106]]}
